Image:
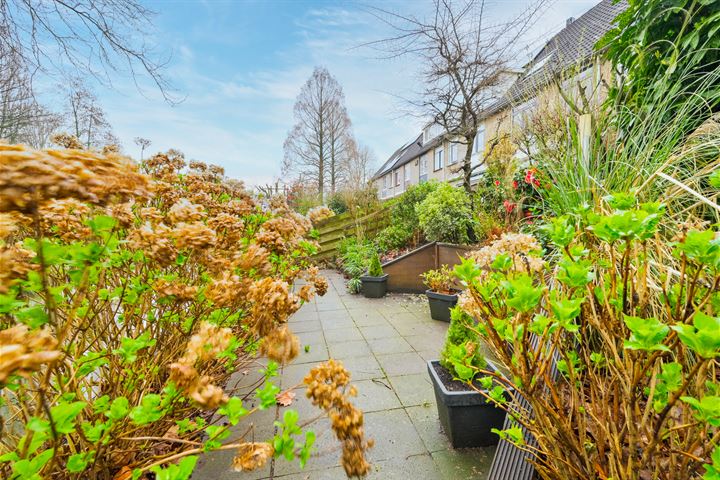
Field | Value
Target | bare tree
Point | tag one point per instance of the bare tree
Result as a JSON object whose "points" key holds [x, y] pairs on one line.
{"points": [[359, 164], [90, 37], [38, 132], [316, 145], [17, 100], [464, 58], [86, 118], [143, 143]]}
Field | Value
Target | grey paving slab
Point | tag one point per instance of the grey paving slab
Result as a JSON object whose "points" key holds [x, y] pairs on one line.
{"points": [[378, 332], [354, 348], [413, 389], [394, 434], [426, 422], [385, 346], [464, 464], [311, 337], [346, 334], [363, 368], [426, 342], [402, 363], [416, 467], [305, 326], [312, 353], [375, 395], [365, 317]]}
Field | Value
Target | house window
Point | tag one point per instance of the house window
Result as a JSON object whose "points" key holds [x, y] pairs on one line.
{"points": [[407, 174], [479, 143], [453, 153], [438, 159], [397, 177], [423, 168]]}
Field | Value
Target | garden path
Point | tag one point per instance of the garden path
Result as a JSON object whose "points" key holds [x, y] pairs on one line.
{"points": [[384, 343]]}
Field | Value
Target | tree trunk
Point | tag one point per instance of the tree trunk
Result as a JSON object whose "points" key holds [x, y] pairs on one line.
{"points": [[467, 166]]}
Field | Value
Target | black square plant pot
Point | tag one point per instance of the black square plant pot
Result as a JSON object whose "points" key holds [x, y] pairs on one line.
{"points": [[440, 305], [466, 416], [374, 287]]}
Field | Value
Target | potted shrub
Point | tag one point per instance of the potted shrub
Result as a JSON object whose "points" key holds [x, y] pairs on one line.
{"points": [[467, 416], [440, 293], [374, 284]]}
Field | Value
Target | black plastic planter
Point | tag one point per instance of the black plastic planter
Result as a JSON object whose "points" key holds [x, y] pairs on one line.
{"points": [[374, 287], [466, 416], [440, 305]]}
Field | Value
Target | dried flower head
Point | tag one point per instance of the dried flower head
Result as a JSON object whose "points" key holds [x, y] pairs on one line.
{"points": [[317, 214], [251, 456], [23, 351], [327, 388], [184, 211], [523, 250], [280, 345], [29, 178]]}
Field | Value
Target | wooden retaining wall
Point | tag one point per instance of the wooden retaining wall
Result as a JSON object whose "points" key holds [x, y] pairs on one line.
{"points": [[334, 229], [404, 272]]}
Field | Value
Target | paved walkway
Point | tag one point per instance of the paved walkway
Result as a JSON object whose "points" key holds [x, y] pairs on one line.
{"points": [[384, 343]]}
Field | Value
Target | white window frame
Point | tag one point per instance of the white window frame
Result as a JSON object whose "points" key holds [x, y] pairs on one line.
{"points": [[422, 163], [453, 154], [406, 175], [438, 159]]}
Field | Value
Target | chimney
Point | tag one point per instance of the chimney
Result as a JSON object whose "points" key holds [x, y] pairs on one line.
{"points": [[569, 21]]}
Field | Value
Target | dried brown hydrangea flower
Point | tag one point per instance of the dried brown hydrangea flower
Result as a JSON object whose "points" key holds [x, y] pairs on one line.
{"points": [[328, 388], [29, 178], [280, 345], [316, 214], [251, 456], [23, 351]]}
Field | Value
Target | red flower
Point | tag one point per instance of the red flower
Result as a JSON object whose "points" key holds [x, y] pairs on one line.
{"points": [[509, 206], [497, 183], [530, 177], [515, 184]]}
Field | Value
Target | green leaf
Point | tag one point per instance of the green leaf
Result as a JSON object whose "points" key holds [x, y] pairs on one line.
{"points": [[575, 274], [467, 271], [621, 201], [513, 435], [646, 334], [64, 414], [267, 395], [703, 336], [565, 311], [706, 410], [701, 246], [181, 471], [79, 461], [561, 231], [150, 410], [714, 179], [118, 409], [29, 468], [233, 410], [131, 346], [524, 296]]}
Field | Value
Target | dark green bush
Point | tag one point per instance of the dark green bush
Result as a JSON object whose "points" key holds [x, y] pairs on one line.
{"points": [[461, 342], [375, 269], [337, 204], [404, 229], [445, 215], [393, 237], [355, 256]]}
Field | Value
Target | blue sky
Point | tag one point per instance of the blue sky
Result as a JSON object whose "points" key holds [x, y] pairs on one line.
{"points": [[241, 64]]}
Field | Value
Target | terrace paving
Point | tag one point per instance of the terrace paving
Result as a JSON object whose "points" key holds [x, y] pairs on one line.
{"points": [[384, 343]]}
